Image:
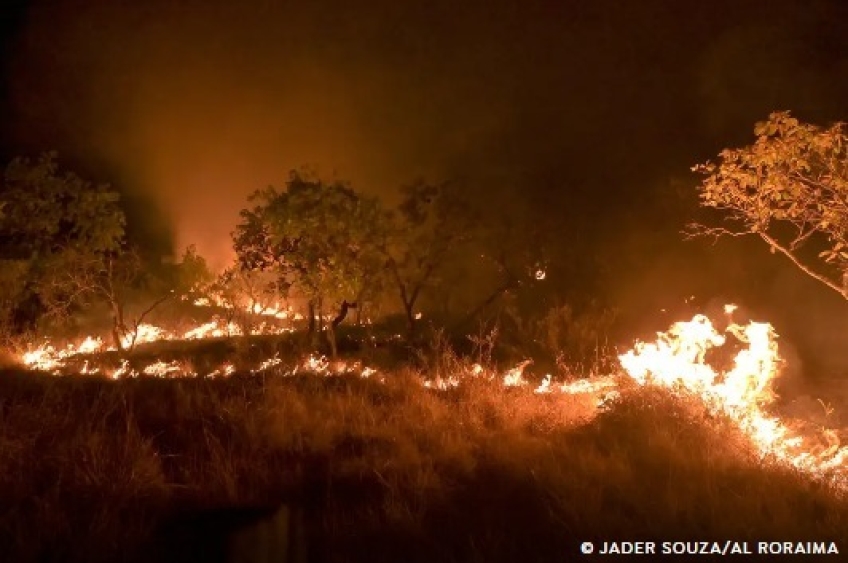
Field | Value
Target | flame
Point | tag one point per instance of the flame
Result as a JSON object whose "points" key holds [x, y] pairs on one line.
{"points": [[515, 376], [276, 310], [545, 385], [677, 361], [443, 383], [268, 364], [213, 329], [143, 334], [163, 369]]}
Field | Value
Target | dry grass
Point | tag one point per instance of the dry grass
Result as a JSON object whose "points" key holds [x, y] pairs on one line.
{"points": [[90, 469]]}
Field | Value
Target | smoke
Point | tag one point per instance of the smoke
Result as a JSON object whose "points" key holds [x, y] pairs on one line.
{"points": [[199, 104], [571, 109]]}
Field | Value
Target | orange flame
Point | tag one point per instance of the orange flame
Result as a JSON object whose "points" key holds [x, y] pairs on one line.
{"points": [[677, 360]]}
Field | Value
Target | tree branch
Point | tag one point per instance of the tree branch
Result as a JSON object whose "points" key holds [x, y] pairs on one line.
{"points": [[697, 230], [810, 272]]}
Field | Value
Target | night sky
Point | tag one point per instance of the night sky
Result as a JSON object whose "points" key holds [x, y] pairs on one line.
{"points": [[587, 114]]}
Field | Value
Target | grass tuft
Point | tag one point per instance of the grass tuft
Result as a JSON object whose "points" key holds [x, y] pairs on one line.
{"points": [[95, 470]]}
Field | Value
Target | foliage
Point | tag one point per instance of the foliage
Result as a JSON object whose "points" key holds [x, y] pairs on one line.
{"points": [[115, 279], [54, 223], [130, 288], [191, 275], [790, 188], [320, 239], [508, 253], [574, 340], [578, 339], [48, 211], [432, 222], [13, 274], [135, 288]]}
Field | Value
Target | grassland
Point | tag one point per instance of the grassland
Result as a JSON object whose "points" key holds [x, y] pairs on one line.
{"points": [[146, 470]]}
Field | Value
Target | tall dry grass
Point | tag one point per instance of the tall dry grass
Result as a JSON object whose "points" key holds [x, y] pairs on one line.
{"points": [[95, 470]]}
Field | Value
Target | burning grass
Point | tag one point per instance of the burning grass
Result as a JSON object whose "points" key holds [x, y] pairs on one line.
{"points": [[455, 461], [91, 468]]}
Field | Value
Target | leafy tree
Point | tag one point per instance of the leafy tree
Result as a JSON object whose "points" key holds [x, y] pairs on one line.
{"points": [[191, 275], [108, 278], [320, 239], [48, 211], [53, 223], [789, 188], [513, 248], [430, 225]]}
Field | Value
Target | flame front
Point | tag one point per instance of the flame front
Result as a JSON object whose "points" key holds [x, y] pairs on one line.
{"points": [[678, 360]]}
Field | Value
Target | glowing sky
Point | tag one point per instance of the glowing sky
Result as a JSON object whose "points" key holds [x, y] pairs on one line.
{"points": [[588, 114]]}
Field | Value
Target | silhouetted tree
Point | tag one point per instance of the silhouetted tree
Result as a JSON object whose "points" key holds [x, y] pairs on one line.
{"points": [[130, 288], [53, 223], [431, 224], [512, 248], [320, 239]]}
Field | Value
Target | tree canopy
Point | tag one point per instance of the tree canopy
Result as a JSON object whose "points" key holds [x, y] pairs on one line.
{"points": [[54, 223], [49, 212], [430, 224], [63, 249], [321, 239], [790, 189]]}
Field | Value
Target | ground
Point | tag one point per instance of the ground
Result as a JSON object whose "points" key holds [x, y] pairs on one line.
{"points": [[341, 468]]}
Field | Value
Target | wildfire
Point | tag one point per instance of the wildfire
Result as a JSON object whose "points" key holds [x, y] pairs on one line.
{"points": [[679, 360], [212, 329], [744, 392], [164, 369], [515, 376], [58, 359], [277, 310]]}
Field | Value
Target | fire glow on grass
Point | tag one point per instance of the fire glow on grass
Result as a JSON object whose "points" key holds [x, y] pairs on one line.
{"points": [[676, 360], [744, 392]]}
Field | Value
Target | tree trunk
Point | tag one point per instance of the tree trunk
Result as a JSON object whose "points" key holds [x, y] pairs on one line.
{"points": [[311, 314], [119, 327], [343, 309], [411, 321], [331, 339], [331, 329]]}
